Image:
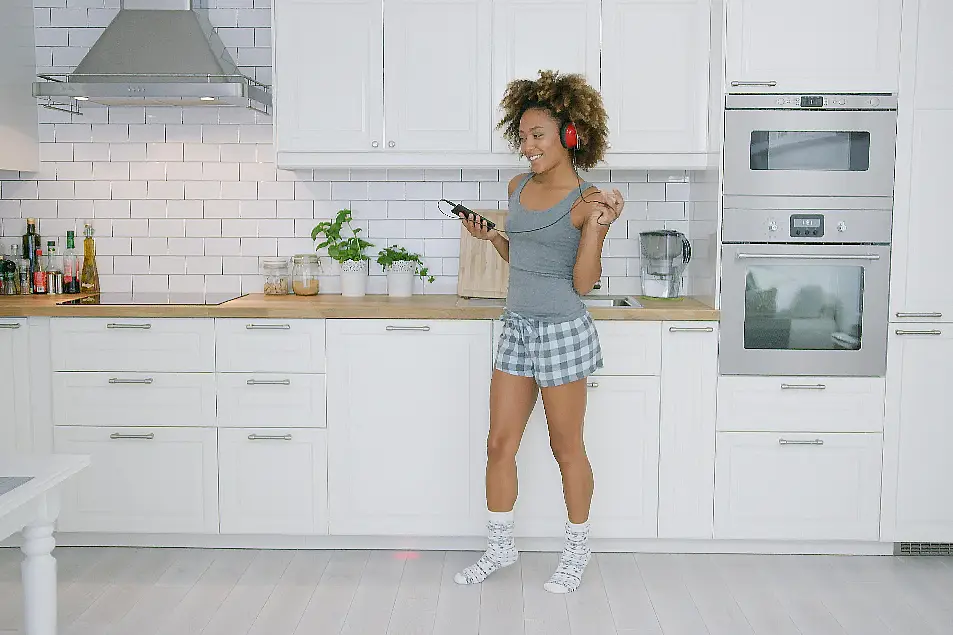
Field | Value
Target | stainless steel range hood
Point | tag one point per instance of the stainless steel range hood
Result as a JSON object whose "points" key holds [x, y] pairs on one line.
{"points": [[164, 55]]}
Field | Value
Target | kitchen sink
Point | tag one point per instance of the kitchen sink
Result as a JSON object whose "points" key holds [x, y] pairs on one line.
{"points": [[625, 302]]}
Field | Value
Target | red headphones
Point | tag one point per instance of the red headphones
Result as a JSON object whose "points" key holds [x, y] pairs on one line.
{"points": [[569, 136]]}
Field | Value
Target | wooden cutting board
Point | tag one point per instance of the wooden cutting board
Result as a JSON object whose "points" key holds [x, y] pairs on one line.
{"points": [[483, 274]]}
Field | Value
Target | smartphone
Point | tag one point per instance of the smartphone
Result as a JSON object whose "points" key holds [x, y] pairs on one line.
{"points": [[466, 213]]}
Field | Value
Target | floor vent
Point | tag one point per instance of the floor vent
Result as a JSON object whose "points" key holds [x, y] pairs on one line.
{"points": [[923, 549]]}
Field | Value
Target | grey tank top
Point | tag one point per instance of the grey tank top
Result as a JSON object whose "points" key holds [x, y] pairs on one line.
{"points": [[541, 262]]}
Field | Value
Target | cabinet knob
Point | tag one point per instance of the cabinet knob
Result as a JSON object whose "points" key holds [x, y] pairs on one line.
{"points": [[374, 144], [391, 144]]}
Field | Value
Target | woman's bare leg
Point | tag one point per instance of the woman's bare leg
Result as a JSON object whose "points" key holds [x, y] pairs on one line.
{"points": [[565, 412], [511, 402]]}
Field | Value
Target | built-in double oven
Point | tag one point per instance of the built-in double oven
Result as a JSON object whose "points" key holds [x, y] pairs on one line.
{"points": [[806, 229]]}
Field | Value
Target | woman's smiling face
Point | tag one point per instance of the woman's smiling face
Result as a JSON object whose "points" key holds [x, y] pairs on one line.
{"points": [[539, 140]]}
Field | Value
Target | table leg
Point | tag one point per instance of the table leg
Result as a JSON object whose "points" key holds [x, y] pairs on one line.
{"points": [[39, 579]]}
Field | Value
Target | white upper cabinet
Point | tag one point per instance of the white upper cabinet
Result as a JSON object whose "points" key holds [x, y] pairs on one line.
{"points": [[920, 288], [655, 56], [519, 53], [329, 75], [813, 45], [19, 135], [437, 75]]}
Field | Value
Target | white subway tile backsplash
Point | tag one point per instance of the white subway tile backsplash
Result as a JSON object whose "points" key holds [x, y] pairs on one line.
{"points": [[147, 209], [385, 191], [276, 190], [256, 172], [188, 283], [127, 115], [223, 247], [38, 209], [215, 133], [102, 189], [187, 246], [239, 265], [258, 209], [221, 209], [150, 284], [101, 209], [168, 227], [204, 265], [159, 114], [151, 246], [312, 191], [127, 151], [55, 190], [184, 134], [354, 191], [212, 171], [241, 228], [461, 191], [201, 152], [274, 228], [239, 191], [166, 190], [149, 133], [129, 265], [165, 152], [131, 227], [259, 246], [147, 171], [111, 171], [167, 265]]}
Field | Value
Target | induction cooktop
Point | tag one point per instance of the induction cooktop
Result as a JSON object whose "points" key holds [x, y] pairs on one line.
{"points": [[155, 298]]}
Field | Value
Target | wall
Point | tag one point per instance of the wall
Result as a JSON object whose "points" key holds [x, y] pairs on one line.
{"points": [[189, 199]]}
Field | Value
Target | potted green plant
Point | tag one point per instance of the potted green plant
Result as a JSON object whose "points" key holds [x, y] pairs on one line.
{"points": [[348, 250], [401, 267]]}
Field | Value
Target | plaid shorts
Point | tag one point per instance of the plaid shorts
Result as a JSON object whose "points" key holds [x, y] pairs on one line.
{"points": [[553, 353]]}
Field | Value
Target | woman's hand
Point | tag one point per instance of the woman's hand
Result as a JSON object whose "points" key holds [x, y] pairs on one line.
{"points": [[604, 208], [478, 228]]}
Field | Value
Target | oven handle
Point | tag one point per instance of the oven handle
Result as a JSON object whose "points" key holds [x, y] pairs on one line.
{"points": [[743, 256]]}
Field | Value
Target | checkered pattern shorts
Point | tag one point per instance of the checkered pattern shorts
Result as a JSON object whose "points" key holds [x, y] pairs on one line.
{"points": [[553, 353]]}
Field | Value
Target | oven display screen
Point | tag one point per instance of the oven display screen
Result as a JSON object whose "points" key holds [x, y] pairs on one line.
{"points": [[807, 226], [807, 222]]}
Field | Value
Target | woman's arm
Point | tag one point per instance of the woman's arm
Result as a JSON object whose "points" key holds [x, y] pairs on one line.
{"points": [[603, 210]]}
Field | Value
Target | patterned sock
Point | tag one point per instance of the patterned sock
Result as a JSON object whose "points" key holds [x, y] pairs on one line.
{"points": [[500, 552], [573, 560]]}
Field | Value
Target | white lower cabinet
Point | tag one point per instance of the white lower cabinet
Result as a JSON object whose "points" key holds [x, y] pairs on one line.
{"points": [[15, 425], [797, 486], [918, 464], [407, 409], [147, 480], [271, 399], [621, 437], [273, 481]]}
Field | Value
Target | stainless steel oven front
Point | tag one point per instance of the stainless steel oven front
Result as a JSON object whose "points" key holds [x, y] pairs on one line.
{"points": [[804, 292], [810, 145]]}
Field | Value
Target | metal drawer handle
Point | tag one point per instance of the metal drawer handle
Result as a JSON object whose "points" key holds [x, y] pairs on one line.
{"points": [[273, 437], [116, 435], [408, 328], [803, 386], [738, 83], [808, 256], [112, 325], [117, 380], [928, 314], [690, 329], [271, 327], [10, 325], [592, 384], [800, 441], [268, 382], [925, 332]]}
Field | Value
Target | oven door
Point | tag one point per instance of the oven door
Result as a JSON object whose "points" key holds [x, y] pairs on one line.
{"points": [[804, 310], [803, 153]]}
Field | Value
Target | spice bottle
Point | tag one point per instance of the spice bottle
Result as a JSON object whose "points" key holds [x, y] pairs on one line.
{"points": [[89, 278]]}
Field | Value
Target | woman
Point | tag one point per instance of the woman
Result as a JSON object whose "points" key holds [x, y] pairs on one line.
{"points": [[553, 241]]}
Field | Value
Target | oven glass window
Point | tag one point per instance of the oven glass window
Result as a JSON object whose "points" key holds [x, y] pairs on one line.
{"points": [[810, 151], [803, 307]]}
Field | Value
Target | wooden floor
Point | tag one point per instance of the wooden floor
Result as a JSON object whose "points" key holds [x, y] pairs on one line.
{"points": [[109, 591]]}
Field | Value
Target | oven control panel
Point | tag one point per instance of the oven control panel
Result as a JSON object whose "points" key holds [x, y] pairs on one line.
{"points": [[807, 225]]}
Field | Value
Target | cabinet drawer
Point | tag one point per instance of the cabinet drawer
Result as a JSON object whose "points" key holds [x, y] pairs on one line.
{"points": [[151, 480], [273, 481], [269, 399], [630, 348], [134, 399], [831, 404], [796, 486], [127, 344], [269, 346]]}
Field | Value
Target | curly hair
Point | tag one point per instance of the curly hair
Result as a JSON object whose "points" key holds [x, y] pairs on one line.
{"points": [[568, 98]]}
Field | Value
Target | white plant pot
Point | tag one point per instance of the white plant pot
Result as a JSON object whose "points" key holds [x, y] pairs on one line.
{"points": [[354, 278], [400, 279]]}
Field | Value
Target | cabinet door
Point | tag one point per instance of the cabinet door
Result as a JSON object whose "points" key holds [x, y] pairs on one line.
{"points": [[141, 480], [14, 385], [273, 481], [918, 506], [19, 142], [518, 55], [269, 345], [813, 46], [655, 74], [797, 486], [621, 436], [408, 405], [437, 84], [919, 288], [329, 75], [687, 429]]}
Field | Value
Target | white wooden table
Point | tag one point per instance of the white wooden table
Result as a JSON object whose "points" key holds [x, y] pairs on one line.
{"points": [[32, 508]]}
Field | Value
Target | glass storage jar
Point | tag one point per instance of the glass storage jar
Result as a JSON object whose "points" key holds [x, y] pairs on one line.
{"points": [[304, 274], [276, 277]]}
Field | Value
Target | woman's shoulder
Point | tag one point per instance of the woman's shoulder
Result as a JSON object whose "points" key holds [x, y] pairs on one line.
{"points": [[516, 180]]}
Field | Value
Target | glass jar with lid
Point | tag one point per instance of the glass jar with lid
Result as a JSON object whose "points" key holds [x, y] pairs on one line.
{"points": [[276, 276], [304, 274]]}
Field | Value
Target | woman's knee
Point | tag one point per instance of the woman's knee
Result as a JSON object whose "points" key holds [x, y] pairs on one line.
{"points": [[502, 447], [567, 450]]}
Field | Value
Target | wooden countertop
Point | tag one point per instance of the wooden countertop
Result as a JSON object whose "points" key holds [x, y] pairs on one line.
{"points": [[257, 305]]}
